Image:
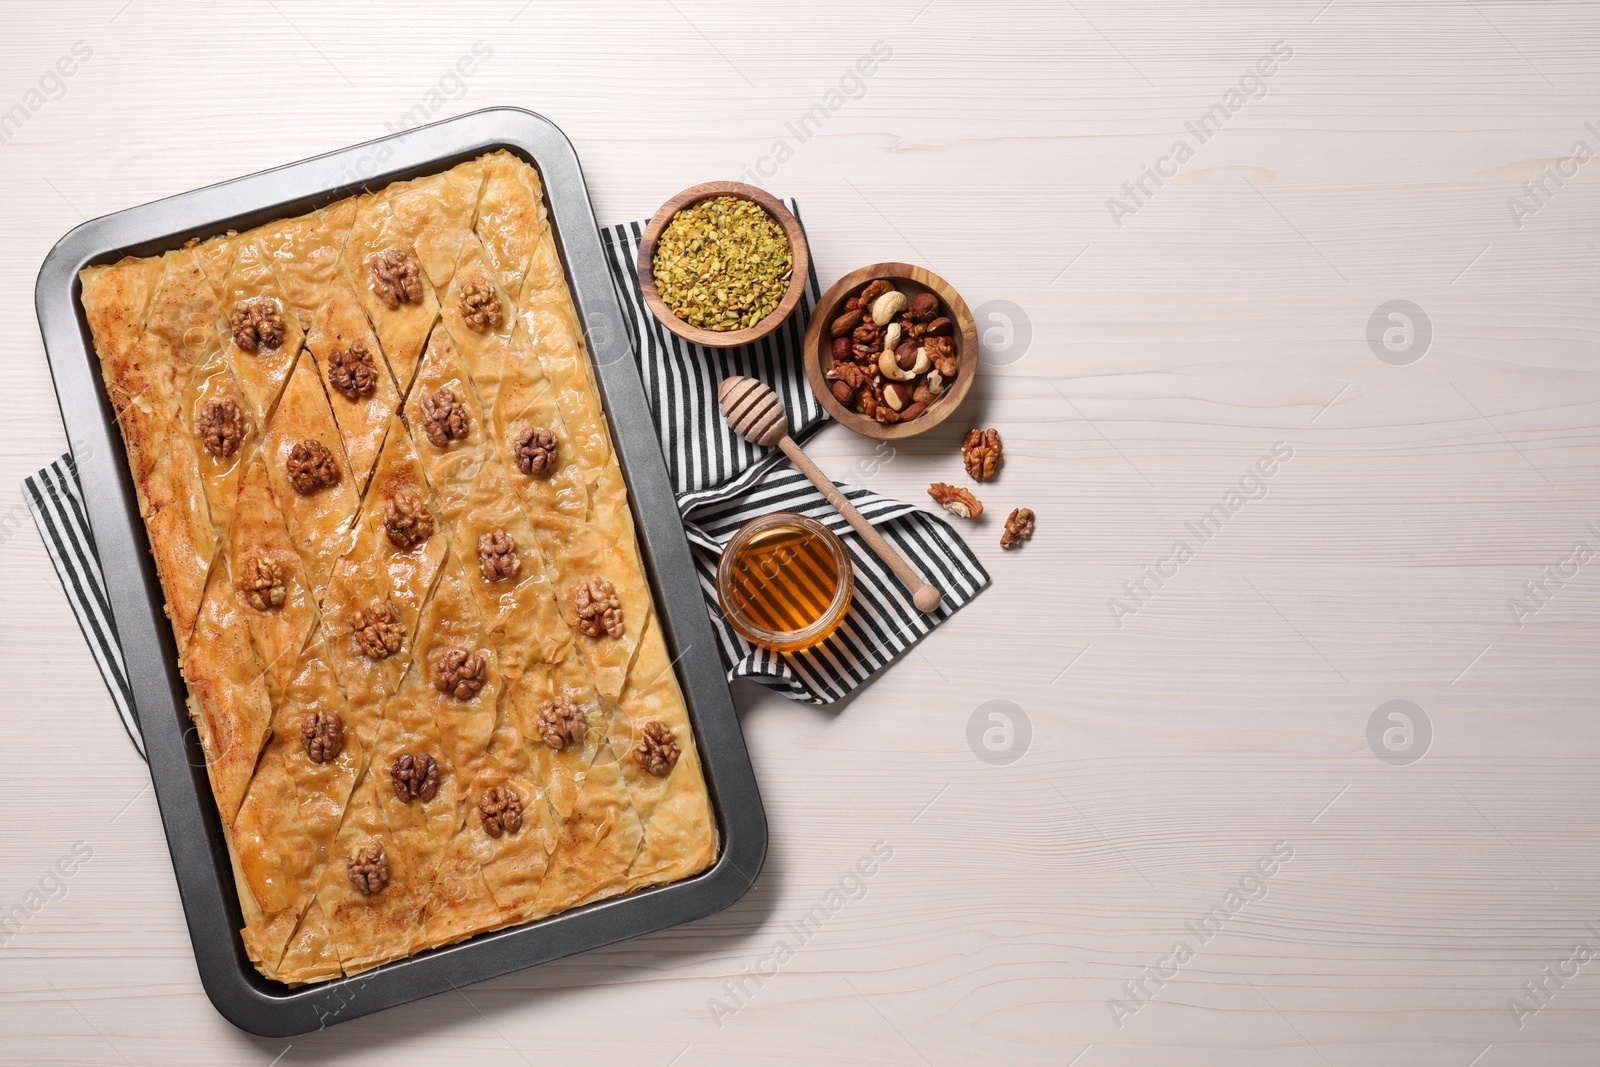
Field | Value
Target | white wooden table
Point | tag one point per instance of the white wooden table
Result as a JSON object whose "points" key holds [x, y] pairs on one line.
{"points": [[1171, 744]]}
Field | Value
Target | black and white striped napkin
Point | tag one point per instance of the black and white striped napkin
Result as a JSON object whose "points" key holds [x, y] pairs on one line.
{"points": [[721, 482], [56, 500]]}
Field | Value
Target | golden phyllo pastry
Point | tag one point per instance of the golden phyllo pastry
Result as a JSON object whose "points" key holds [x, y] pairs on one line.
{"points": [[397, 554]]}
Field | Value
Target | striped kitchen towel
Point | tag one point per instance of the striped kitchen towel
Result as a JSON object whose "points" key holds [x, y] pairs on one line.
{"points": [[721, 482], [56, 500]]}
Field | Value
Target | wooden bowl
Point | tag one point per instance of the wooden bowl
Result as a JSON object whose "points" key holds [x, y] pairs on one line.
{"points": [[912, 280], [800, 259]]}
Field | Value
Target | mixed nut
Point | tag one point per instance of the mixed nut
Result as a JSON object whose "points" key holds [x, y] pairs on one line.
{"points": [[893, 353]]}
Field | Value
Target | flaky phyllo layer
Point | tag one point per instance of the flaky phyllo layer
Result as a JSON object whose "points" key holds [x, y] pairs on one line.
{"points": [[336, 425]]}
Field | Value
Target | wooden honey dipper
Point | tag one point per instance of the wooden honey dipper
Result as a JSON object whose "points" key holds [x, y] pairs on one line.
{"points": [[756, 414]]}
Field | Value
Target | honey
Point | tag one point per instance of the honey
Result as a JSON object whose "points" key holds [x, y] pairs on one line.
{"points": [[785, 582]]}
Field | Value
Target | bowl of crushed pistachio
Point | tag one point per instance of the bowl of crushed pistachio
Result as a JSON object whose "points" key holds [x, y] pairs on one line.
{"points": [[722, 264]]}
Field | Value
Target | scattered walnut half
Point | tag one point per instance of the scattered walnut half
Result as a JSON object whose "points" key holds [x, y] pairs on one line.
{"points": [[981, 453], [956, 500], [352, 372], [414, 777], [536, 451], [257, 324], [656, 750], [396, 278], [377, 632], [1019, 527], [459, 673], [444, 418], [322, 732], [221, 427], [562, 722], [407, 521], [369, 868], [599, 610], [497, 556], [263, 584], [480, 305], [311, 467], [501, 809]]}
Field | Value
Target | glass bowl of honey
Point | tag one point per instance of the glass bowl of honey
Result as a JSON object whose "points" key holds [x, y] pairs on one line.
{"points": [[785, 581]]}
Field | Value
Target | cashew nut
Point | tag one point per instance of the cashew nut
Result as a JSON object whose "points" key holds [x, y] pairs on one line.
{"points": [[888, 306], [924, 361], [891, 368], [934, 382], [891, 337]]}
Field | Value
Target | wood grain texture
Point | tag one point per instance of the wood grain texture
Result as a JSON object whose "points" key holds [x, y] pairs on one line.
{"points": [[1138, 373]]}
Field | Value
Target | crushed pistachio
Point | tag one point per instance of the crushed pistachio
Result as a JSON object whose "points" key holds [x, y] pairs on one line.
{"points": [[722, 264]]}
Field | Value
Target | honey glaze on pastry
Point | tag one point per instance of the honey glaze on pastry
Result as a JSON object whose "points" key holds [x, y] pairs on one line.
{"points": [[413, 620]]}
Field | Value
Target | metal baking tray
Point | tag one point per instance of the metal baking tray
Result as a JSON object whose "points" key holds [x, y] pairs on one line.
{"points": [[177, 764]]}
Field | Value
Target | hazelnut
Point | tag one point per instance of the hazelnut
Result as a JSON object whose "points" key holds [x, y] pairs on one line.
{"points": [[940, 327], [924, 306], [897, 396], [842, 350], [906, 355]]}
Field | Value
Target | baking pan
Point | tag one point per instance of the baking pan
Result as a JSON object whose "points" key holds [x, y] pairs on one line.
{"points": [[177, 763]]}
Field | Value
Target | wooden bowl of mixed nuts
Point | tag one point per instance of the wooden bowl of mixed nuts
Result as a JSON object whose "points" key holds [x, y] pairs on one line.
{"points": [[723, 264], [891, 350]]}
